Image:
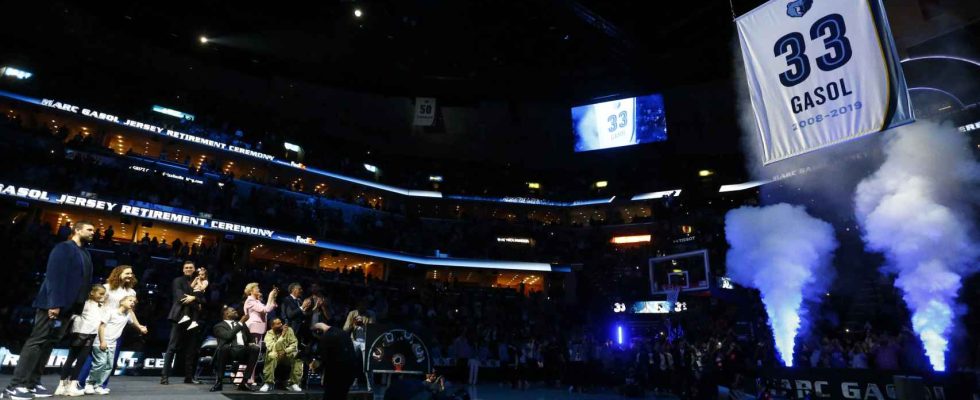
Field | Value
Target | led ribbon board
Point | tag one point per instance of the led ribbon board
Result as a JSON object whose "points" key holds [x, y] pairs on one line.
{"points": [[103, 116], [167, 214]]}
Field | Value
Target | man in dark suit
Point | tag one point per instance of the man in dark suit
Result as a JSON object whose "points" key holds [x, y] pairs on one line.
{"points": [[296, 311], [296, 314], [69, 269], [180, 336], [234, 344]]}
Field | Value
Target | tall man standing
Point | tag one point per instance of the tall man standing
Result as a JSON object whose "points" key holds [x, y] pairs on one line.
{"points": [[296, 314], [180, 336], [69, 269]]}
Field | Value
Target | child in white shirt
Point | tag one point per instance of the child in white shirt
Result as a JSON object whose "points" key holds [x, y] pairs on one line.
{"points": [[84, 328], [113, 323]]}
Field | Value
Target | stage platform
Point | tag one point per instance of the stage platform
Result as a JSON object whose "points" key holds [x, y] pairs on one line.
{"points": [[149, 388]]}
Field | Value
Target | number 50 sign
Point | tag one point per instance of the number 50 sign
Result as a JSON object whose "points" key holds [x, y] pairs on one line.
{"points": [[820, 72], [425, 111]]}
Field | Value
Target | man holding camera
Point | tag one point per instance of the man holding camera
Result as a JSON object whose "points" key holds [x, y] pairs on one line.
{"points": [[281, 347]]}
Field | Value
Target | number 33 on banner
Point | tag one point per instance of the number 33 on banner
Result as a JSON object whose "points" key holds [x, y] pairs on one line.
{"points": [[806, 60]]}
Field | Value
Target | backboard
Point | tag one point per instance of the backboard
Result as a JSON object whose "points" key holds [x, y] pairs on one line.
{"points": [[688, 271]]}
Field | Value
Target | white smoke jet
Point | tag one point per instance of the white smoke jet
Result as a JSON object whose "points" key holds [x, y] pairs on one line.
{"points": [[785, 253], [917, 210]]}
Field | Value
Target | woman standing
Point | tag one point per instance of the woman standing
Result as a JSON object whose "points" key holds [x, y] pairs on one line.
{"points": [[257, 313]]}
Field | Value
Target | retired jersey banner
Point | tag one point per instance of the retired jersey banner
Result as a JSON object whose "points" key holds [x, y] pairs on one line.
{"points": [[425, 111], [820, 72]]}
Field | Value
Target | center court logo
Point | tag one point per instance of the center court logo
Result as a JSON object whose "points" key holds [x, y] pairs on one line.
{"points": [[797, 8]]}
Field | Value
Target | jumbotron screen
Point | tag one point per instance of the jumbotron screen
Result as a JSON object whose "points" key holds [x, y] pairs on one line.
{"points": [[618, 123]]}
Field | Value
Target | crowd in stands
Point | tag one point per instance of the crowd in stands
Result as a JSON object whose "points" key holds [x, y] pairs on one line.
{"points": [[516, 338], [866, 349]]}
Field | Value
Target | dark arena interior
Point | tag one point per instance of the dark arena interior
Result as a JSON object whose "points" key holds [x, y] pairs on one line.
{"points": [[539, 199]]}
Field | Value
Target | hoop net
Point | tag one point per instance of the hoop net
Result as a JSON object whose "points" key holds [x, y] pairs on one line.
{"points": [[673, 293]]}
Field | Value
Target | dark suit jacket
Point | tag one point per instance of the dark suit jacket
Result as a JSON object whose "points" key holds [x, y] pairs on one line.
{"points": [[226, 335], [68, 272], [336, 352], [180, 287], [294, 315]]}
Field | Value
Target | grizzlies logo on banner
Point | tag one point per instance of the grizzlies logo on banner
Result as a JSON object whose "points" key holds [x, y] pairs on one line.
{"points": [[820, 72]]}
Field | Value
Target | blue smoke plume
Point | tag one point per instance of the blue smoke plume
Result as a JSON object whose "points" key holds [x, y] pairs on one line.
{"points": [[784, 253], [917, 211]]}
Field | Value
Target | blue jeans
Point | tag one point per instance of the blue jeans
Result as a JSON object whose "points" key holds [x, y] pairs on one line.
{"points": [[87, 367], [101, 365]]}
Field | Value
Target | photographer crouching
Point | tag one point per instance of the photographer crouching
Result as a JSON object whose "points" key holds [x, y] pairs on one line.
{"points": [[338, 360]]}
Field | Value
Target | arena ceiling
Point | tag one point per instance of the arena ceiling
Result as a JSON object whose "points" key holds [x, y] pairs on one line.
{"points": [[563, 51], [513, 49]]}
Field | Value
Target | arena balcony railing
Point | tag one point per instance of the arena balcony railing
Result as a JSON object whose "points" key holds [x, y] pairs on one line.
{"points": [[109, 178], [126, 147], [472, 244]]}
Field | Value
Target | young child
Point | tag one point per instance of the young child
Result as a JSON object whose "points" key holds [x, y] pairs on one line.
{"points": [[113, 323], [189, 312], [84, 328]]}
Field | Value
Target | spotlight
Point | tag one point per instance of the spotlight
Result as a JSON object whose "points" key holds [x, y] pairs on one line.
{"points": [[203, 39], [358, 13]]}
